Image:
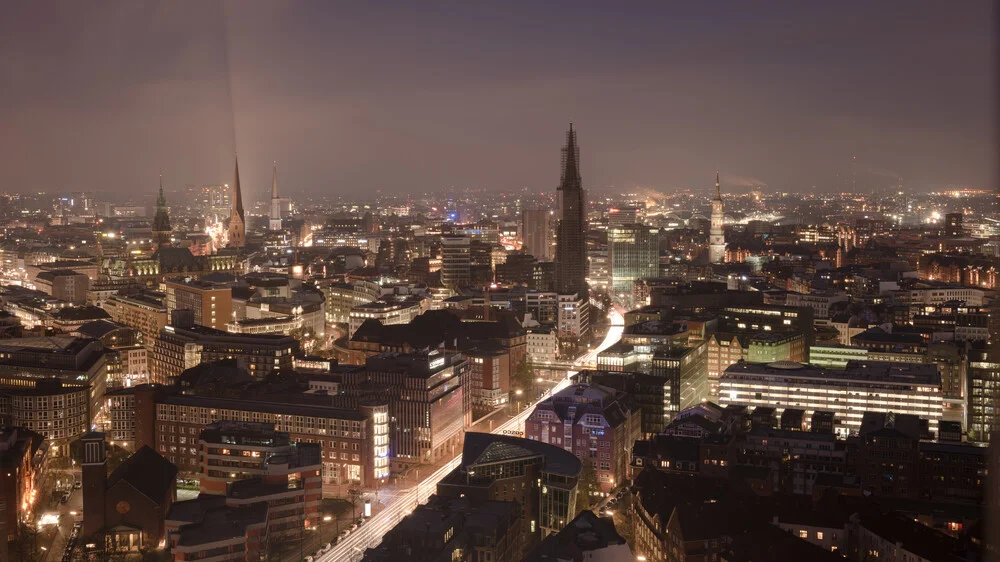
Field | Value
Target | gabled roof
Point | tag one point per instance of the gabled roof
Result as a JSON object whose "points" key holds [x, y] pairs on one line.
{"points": [[147, 472]]}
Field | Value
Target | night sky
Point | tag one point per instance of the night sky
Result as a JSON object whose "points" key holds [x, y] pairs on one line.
{"points": [[355, 96]]}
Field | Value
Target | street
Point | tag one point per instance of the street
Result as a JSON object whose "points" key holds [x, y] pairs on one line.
{"points": [[403, 502]]}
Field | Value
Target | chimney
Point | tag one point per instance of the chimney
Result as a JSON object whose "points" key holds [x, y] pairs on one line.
{"points": [[95, 477]]}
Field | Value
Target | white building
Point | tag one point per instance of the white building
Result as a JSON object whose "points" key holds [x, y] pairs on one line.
{"points": [[819, 302], [863, 386], [573, 318], [543, 346], [389, 310]]}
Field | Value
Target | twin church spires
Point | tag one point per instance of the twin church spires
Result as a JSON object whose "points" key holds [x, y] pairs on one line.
{"points": [[237, 218]]}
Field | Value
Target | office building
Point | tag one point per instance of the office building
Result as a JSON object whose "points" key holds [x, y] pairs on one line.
{"points": [[633, 251], [724, 349], [183, 345], [685, 371], [427, 401], [541, 478], [145, 311], [352, 440], [769, 347], [863, 386], [536, 233], [211, 303], [455, 261], [983, 392]]}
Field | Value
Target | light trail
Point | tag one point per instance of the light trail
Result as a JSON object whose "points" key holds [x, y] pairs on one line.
{"points": [[370, 534]]}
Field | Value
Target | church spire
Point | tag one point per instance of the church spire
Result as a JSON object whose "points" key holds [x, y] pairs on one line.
{"points": [[718, 192], [275, 217], [161, 220], [571, 162], [237, 218]]}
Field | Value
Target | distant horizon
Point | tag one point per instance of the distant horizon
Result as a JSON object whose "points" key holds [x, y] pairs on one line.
{"points": [[351, 98]]}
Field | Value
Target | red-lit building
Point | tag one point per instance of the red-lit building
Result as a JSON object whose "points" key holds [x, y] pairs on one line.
{"points": [[595, 423]]}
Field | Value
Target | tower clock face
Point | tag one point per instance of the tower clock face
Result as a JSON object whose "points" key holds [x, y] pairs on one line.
{"points": [[123, 507]]}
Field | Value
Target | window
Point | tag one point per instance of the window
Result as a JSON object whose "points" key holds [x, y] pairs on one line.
{"points": [[819, 535], [803, 534]]}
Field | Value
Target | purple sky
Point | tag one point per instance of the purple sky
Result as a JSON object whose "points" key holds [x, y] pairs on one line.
{"points": [[350, 97]]}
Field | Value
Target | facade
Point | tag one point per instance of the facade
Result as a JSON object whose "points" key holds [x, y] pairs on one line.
{"points": [[341, 298], [903, 388], [571, 243], [717, 234], [22, 462], [536, 233], [237, 217], [55, 385], [724, 349], [455, 261], [633, 251], [146, 312], [489, 375], [64, 284], [183, 346], [212, 304], [388, 311], [351, 440], [573, 316], [543, 345], [983, 392], [685, 378], [768, 347], [595, 423], [427, 401]]}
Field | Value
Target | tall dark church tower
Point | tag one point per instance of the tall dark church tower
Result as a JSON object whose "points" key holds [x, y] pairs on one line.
{"points": [[571, 245], [237, 218], [161, 221]]}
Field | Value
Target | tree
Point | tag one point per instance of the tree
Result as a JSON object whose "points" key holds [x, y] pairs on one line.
{"points": [[586, 483], [524, 376]]}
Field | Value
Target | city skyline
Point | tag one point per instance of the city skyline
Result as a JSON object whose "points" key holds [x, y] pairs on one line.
{"points": [[667, 97]]}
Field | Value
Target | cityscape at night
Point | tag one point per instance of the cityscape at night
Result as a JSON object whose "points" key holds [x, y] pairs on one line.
{"points": [[499, 282]]}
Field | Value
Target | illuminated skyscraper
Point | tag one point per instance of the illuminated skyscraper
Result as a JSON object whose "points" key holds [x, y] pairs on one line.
{"points": [[536, 233], [237, 219], [275, 222], [571, 243], [716, 234], [634, 253]]}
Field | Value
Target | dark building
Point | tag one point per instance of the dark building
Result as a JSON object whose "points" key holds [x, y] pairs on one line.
{"points": [[571, 242], [587, 537], [953, 224], [455, 529], [542, 478], [126, 510], [22, 459]]}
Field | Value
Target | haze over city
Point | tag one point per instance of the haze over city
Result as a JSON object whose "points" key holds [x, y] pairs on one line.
{"points": [[354, 97]]}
